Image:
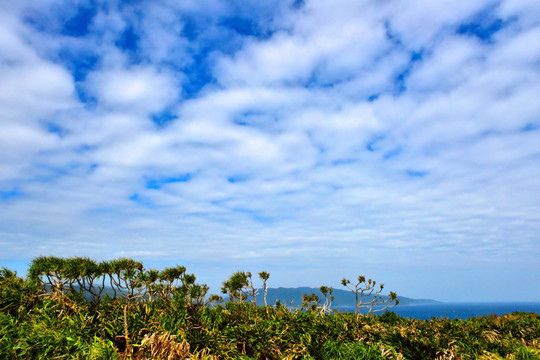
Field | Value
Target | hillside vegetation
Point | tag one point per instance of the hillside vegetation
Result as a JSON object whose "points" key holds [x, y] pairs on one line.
{"points": [[78, 309]]}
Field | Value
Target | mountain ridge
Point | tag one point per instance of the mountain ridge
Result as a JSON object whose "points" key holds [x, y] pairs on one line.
{"points": [[292, 297]]}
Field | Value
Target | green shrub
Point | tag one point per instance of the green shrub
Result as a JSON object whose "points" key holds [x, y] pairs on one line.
{"points": [[37, 322]]}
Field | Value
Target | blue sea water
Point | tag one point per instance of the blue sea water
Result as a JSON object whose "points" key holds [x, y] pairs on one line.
{"points": [[461, 310]]}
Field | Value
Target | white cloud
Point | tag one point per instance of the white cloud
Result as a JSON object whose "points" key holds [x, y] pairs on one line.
{"points": [[323, 41], [453, 62], [161, 39], [11, 45], [32, 91], [527, 11], [418, 23], [37, 86], [519, 50], [307, 149], [139, 90]]}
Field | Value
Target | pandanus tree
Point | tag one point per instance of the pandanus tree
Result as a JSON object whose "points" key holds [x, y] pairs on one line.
{"points": [[235, 287], [215, 299], [264, 277], [328, 298], [313, 303], [368, 288], [251, 289], [310, 302], [239, 287], [170, 280], [197, 294], [125, 277], [70, 280], [83, 275], [47, 271], [150, 279]]}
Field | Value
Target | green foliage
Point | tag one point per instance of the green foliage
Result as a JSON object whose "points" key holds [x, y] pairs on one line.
{"points": [[163, 315], [236, 286], [17, 296], [352, 350]]}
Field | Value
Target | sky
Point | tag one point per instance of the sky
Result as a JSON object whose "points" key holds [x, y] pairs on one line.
{"points": [[313, 139]]}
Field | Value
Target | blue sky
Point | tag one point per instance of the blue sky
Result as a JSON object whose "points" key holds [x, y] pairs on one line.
{"points": [[312, 139]]}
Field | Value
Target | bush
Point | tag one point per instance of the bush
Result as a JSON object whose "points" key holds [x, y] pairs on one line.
{"points": [[37, 322]]}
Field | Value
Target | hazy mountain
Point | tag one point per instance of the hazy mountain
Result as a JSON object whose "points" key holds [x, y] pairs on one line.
{"points": [[292, 297]]}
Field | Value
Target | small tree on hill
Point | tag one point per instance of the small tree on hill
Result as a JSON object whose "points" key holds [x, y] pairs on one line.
{"points": [[310, 302], [363, 288], [235, 287], [264, 277], [328, 298], [252, 290]]}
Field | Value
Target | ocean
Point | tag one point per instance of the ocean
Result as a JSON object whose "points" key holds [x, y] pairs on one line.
{"points": [[460, 310]]}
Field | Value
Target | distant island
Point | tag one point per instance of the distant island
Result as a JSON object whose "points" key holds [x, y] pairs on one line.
{"points": [[292, 297]]}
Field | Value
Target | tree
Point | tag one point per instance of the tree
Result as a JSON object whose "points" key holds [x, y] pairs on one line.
{"points": [[253, 291], [235, 287], [215, 299], [310, 302], [328, 298], [264, 277], [367, 288]]}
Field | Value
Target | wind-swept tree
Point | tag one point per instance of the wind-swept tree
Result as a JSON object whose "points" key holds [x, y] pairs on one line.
{"points": [[363, 288], [171, 279], [240, 287], [125, 277], [235, 287], [82, 275], [47, 271], [197, 295], [328, 298], [386, 302]]}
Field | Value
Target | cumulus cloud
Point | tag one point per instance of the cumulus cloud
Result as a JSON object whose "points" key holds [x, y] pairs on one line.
{"points": [[327, 140], [141, 90], [32, 91]]}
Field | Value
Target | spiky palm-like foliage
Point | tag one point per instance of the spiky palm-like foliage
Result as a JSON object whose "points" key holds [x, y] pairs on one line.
{"points": [[171, 321]]}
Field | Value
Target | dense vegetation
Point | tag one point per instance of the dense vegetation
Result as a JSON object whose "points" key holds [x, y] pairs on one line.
{"points": [[77, 308]]}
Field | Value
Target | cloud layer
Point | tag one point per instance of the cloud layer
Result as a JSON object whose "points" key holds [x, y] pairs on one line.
{"points": [[314, 140]]}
